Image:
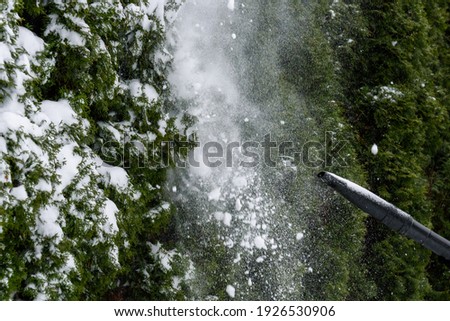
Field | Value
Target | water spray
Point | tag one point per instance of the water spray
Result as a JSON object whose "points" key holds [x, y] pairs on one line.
{"points": [[391, 216]]}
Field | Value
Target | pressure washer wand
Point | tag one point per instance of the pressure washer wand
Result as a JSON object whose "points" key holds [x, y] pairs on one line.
{"points": [[388, 214]]}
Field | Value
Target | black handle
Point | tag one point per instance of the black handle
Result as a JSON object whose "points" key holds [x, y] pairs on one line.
{"points": [[388, 214]]}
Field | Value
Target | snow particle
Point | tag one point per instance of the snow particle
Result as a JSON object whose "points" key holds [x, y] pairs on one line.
{"points": [[374, 149], [299, 236], [238, 205], [233, 35], [227, 219], [259, 243], [260, 259], [231, 5], [231, 291], [214, 195], [240, 181], [219, 216]]}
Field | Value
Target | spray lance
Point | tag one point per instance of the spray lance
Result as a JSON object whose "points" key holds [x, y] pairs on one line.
{"points": [[388, 214]]}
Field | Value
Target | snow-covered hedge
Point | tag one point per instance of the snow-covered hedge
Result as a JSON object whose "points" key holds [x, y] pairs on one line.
{"points": [[82, 89]]}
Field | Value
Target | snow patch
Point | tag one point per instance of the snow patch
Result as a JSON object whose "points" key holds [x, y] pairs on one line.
{"points": [[43, 186], [59, 112], [47, 224], [5, 53], [69, 170], [69, 265], [29, 41], [386, 93], [19, 192], [41, 297], [13, 121], [72, 37], [112, 130], [162, 126], [3, 147], [165, 257], [137, 89], [78, 22], [114, 175], [110, 209]]}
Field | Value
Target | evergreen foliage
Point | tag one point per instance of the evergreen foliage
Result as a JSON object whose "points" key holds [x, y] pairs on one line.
{"points": [[394, 97]]}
